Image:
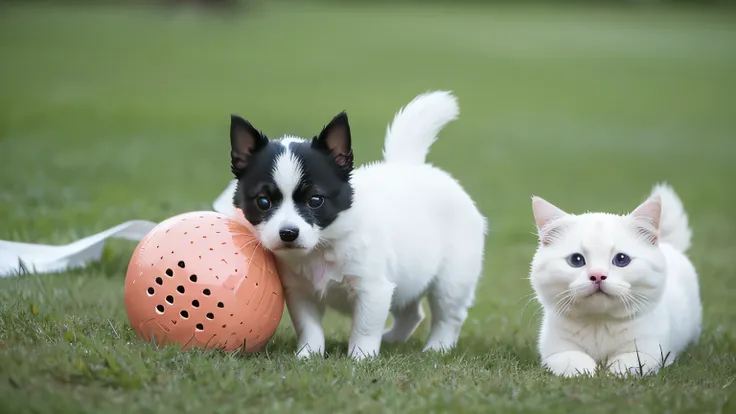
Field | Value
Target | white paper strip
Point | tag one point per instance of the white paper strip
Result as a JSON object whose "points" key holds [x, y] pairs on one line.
{"points": [[19, 258]]}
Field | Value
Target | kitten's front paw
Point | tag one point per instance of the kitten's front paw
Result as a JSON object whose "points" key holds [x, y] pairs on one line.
{"points": [[570, 364], [632, 363]]}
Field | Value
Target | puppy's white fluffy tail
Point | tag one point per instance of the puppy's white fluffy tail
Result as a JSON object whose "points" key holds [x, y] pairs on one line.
{"points": [[673, 223], [415, 127]]}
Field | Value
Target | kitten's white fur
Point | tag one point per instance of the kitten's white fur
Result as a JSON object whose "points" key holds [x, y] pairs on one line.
{"points": [[651, 306], [411, 229]]}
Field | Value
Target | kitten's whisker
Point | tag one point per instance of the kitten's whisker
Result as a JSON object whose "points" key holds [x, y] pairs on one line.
{"points": [[526, 296], [533, 314], [564, 292], [563, 305], [625, 301], [571, 304], [525, 305], [640, 302]]}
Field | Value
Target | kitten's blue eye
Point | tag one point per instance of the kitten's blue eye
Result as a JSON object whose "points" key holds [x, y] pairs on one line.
{"points": [[621, 260], [316, 201], [263, 203], [576, 260]]}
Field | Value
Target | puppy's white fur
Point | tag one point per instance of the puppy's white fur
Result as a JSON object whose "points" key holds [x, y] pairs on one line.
{"points": [[412, 229], [287, 173], [651, 308]]}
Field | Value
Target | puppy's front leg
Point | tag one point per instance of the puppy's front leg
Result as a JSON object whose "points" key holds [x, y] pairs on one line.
{"points": [[306, 316], [370, 311]]}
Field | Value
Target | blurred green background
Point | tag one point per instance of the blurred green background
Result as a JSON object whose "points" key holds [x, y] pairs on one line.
{"points": [[116, 112]]}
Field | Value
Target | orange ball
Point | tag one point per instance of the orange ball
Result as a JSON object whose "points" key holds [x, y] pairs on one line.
{"points": [[203, 280]]}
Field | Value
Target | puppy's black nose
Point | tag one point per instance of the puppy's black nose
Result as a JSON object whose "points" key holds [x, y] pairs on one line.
{"points": [[289, 234]]}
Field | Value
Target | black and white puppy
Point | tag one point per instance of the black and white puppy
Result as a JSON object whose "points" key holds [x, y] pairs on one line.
{"points": [[364, 241]]}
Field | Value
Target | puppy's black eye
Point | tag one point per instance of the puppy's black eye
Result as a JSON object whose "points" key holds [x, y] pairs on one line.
{"points": [[263, 203], [316, 201], [576, 260]]}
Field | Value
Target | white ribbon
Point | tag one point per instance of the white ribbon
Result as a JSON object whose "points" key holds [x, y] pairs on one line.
{"points": [[19, 258]]}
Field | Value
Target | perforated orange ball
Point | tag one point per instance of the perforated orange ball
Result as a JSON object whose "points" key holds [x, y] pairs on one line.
{"points": [[203, 280]]}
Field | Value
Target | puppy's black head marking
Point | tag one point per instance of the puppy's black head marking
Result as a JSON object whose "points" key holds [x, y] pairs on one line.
{"points": [[323, 190], [244, 142], [335, 141]]}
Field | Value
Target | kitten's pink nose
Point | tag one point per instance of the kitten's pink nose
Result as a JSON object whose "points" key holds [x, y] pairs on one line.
{"points": [[597, 277]]}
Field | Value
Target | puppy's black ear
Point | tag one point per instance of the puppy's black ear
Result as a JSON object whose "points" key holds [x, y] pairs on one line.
{"points": [[335, 141], [244, 142]]}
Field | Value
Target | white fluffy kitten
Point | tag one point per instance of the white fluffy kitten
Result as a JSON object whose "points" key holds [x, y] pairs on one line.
{"points": [[617, 291]]}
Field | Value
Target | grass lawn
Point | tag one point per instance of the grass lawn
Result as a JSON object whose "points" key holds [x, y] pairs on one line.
{"points": [[108, 115]]}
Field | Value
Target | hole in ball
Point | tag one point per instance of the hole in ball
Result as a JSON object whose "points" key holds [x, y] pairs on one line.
{"points": [[181, 264], [193, 278], [184, 314], [200, 327], [210, 315], [220, 305], [160, 308], [206, 292], [159, 281], [224, 326], [150, 291], [180, 289], [169, 272], [195, 303], [170, 299]]}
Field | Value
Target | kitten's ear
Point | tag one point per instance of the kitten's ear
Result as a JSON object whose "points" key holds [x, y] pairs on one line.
{"points": [[335, 141], [244, 142], [647, 217], [544, 213]]}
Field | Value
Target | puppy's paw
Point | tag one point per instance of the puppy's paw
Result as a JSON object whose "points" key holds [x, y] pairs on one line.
{"points": [[570, 364], [306, 352], [437, 347], [359, 353]]}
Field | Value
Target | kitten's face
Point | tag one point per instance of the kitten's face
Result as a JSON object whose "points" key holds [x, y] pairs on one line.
{"points": [[598, 265]]}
